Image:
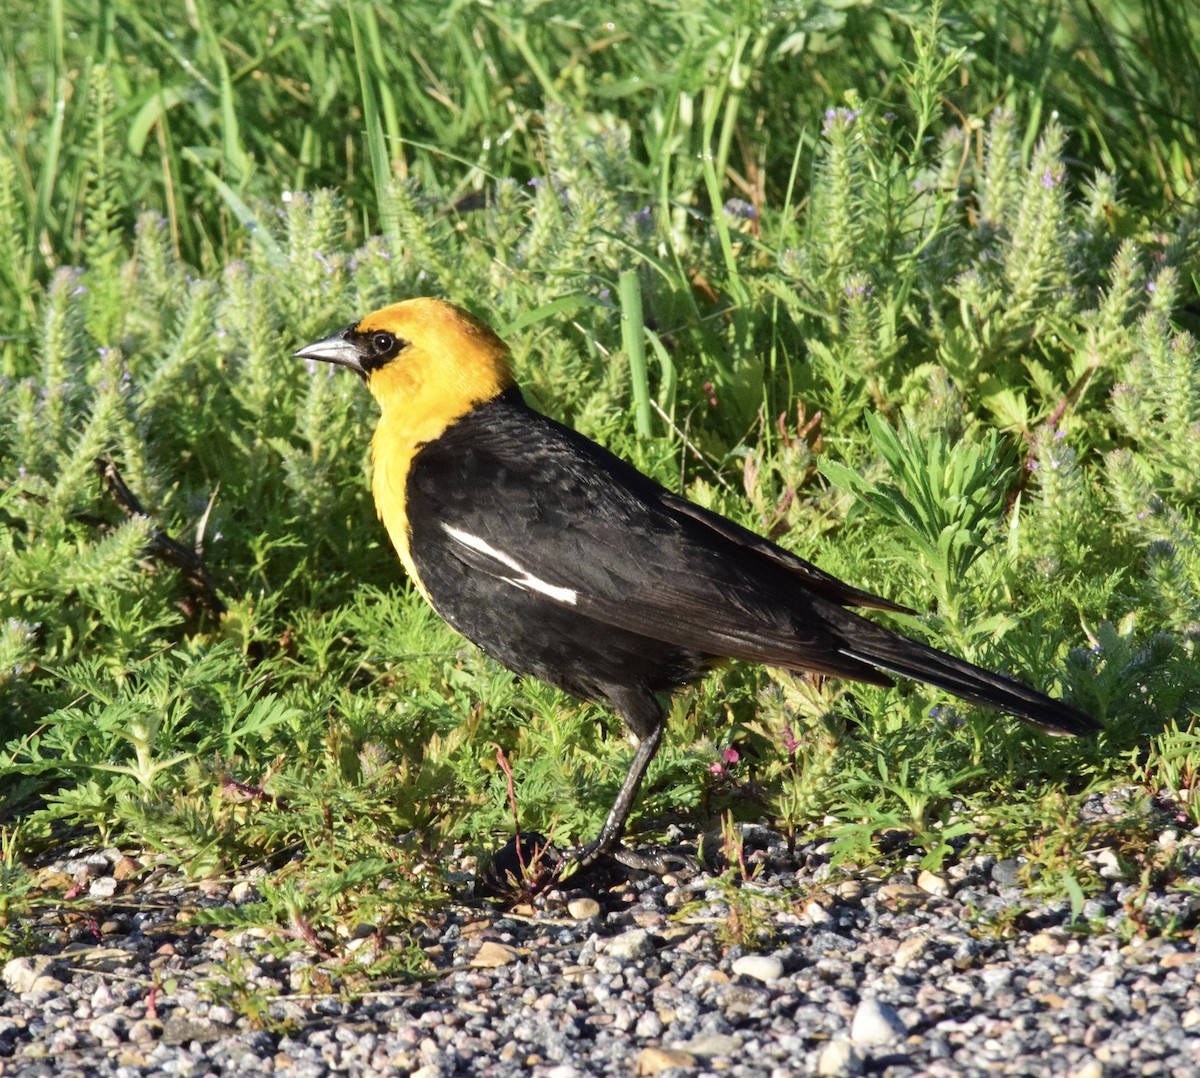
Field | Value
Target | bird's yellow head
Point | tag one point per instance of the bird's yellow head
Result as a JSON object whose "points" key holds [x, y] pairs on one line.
{"points": [[425, 361]]}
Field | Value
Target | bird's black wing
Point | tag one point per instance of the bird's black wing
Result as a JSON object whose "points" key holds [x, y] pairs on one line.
{"points": [[525, 500], [821, 582], [520, 499]]}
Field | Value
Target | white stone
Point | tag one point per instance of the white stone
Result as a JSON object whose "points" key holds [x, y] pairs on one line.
{"points": [[102, 887], [761, 967], [933, 884], [30, 974], [839, 1059], [876, 1022], [630, 945]]}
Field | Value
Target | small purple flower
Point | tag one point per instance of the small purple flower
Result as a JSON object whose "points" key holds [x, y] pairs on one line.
{"points": [[835, 118]]}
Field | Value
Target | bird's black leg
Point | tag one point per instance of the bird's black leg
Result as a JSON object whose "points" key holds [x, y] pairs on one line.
{"points": [[608, 842]]}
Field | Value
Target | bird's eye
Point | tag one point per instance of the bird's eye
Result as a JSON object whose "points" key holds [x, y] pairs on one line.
{"points": [[384, 344]]}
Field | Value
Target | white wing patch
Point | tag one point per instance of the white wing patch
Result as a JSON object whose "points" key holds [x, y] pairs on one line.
{"points": [[524, 579]]}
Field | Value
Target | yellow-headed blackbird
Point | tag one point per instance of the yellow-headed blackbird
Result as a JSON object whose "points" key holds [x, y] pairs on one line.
{"points": [[562, 561]]}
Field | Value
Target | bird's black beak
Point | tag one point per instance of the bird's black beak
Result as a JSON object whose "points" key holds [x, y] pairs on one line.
{"points": [[340, 348]]}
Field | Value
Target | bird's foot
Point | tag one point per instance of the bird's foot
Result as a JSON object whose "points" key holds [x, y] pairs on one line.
{"points": [[529, 863], [648, 859], [656, 859]]}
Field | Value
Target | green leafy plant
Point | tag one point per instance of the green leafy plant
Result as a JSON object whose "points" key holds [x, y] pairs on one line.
{"points": [[946, 499], [717, 241]]}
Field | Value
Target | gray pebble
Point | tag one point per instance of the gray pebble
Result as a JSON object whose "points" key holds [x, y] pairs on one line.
{"points": [[634, 944], [632, 985]]}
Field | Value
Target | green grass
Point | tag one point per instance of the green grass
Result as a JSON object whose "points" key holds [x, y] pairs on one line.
{"points": [[915, 297]]}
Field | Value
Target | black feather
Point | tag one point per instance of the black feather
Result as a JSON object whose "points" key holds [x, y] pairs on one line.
{"points": [[661, 587]]}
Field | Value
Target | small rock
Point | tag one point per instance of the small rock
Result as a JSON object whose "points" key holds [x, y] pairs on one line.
{"points": [[651, 919], [103, 1029], [839, 1059], [711, 1044], [816, 913], [850, 891], [1007, 873], [635, 943], [492, 955], [124, 867], [242, 891], [761, 967], [901, 896], [932, 883], [54, 879], [145, 1030], [655, 1060], [876, 1022], [583, 908], [649, 1026], [182, 1029], [910, 950], [1093, 1068], [30, 974], [102, 887], [1045, 943], [1109, 863]]}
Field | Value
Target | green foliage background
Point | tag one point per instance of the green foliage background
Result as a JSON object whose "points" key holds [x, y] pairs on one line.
{"points": [[915, 294]]}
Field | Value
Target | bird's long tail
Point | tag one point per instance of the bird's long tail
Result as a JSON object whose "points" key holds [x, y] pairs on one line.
{"points": [[897, 654]]}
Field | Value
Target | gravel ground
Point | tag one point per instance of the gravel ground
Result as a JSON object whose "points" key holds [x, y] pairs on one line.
{"points": [[897, 976]]}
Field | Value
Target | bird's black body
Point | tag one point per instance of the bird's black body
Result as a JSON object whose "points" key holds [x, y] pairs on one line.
{"points": [[661, 588]]}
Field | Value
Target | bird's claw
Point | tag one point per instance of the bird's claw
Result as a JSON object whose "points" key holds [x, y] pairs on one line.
{"points": [[648, 859], [657, 860]]}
